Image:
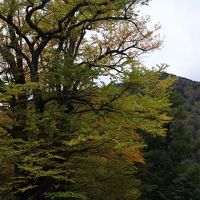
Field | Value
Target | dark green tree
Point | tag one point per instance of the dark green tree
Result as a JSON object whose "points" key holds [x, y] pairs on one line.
{"points": [[171, 170]]}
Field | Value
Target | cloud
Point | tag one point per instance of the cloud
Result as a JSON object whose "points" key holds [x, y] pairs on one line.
{"points": [[179, 20]]}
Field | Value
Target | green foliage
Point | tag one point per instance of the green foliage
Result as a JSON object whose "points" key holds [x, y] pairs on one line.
{"points": [[72, 195], [171, 169], [90, 153], [75, 98]]}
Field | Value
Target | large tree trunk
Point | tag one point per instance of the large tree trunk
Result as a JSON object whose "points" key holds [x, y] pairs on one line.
{"points": [[37, 94]]}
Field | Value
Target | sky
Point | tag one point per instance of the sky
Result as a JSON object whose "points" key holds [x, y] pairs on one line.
{"points": [[180, 28]]}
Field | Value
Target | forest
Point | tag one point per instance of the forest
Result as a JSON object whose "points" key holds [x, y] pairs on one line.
{"points": [[81, 116]]}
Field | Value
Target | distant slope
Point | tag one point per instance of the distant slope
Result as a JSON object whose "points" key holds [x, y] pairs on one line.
{"points": [[190, 91], [172, 163]]}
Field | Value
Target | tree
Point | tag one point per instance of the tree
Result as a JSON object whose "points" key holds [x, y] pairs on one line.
{"points": [[63, 127], [171, 170]]}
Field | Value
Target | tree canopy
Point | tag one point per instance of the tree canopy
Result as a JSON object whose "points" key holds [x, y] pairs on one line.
{"points": [[74, 98]]}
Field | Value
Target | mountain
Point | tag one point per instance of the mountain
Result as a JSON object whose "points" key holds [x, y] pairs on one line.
{"points": [[190, 93]]}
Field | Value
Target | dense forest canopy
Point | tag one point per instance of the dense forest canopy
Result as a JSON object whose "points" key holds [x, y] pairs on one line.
{"points": [[172, 168], [75, 99]]}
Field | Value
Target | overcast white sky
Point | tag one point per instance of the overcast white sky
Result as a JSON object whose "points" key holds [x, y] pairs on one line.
{"points": [[180, 21]]}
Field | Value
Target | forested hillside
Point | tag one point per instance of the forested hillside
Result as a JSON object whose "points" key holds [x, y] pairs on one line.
{"points": [[190, 92], [172, 168]]}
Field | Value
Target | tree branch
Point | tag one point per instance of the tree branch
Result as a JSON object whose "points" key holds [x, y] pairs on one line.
{"points": [[17, 30]]}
